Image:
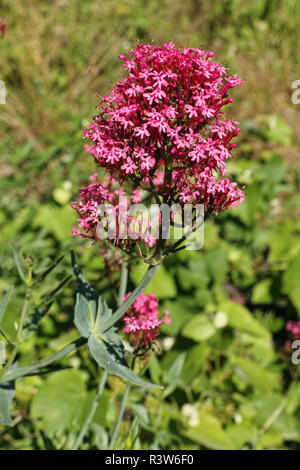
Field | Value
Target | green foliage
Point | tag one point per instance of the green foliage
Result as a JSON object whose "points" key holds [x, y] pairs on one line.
{"points": [[62, 402], [91, 313], [162, 284], [7, 393], [291, 282], [228, 380]]}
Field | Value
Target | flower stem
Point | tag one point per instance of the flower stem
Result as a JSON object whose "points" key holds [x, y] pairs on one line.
{"points": [[92, 411], [123, 282], [9, 375], [135, 294], [122, 292], [120, 416], [34, 368], [20, 331]]}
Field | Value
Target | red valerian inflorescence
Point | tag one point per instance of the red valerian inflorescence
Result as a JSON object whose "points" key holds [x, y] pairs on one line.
{"points": [[163, 127], [161, 132], [142, 321], [99, 200]]}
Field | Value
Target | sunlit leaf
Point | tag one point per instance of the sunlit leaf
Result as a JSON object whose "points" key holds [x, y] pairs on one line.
{"points": [[7, 393]]}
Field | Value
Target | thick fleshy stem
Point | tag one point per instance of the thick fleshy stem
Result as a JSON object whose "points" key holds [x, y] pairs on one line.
{"points": [[92, 411]]}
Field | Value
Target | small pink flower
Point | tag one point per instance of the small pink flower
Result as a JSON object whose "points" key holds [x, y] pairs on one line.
{"points": [[142, 321], [100, 200], [294, 328], [167, 113]]}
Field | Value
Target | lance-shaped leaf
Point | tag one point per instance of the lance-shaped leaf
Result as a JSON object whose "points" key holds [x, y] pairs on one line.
{"points": [[4, 302], [86, 307], [20, 263], [91, 312], [7, 393], [48, 270], [110, 356], [33, 320], [3, 305]]}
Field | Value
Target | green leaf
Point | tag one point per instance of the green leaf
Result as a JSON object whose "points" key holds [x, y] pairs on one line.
{"points": [[254, 202], [276, 130], [271, 172], [173, 374], [242, 433], [284, 246], [199, 328], [33, 319], [99, 436], [107, 349], [240, 318], [20, 263], [195, 360], [57, 220], [7, 393], [33, 369], [141, 412], [250, 372], [61, 196], [271, 409], [87, 300], [162, 284], [194, 275], [60, 400], [217, 263], [110, 356], [155, 368], [209, 433], [293, 398], [181, 314], [291, 282], [261, 293], [48, 270], [55, 291], [4, 302]]}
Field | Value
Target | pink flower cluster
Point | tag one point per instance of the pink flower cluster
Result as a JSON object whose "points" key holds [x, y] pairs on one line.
{"points": [[163, 126], [103, 200], [294, 328], [142, 321], [2, 27]]}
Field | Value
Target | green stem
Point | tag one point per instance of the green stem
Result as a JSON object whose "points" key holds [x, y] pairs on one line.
{"points": [[120, 416], [13, 374], [135, 294], [268, 423], [92, 411], [122, 292], [123, 282], [20, 331]]}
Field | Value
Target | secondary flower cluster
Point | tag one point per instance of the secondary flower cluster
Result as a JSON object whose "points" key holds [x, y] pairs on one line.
{"points": [[163, 127], [142, 321], [102, 214]]}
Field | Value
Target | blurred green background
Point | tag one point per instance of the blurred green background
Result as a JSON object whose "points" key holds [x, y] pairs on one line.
{"points": [[225, 360]]}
